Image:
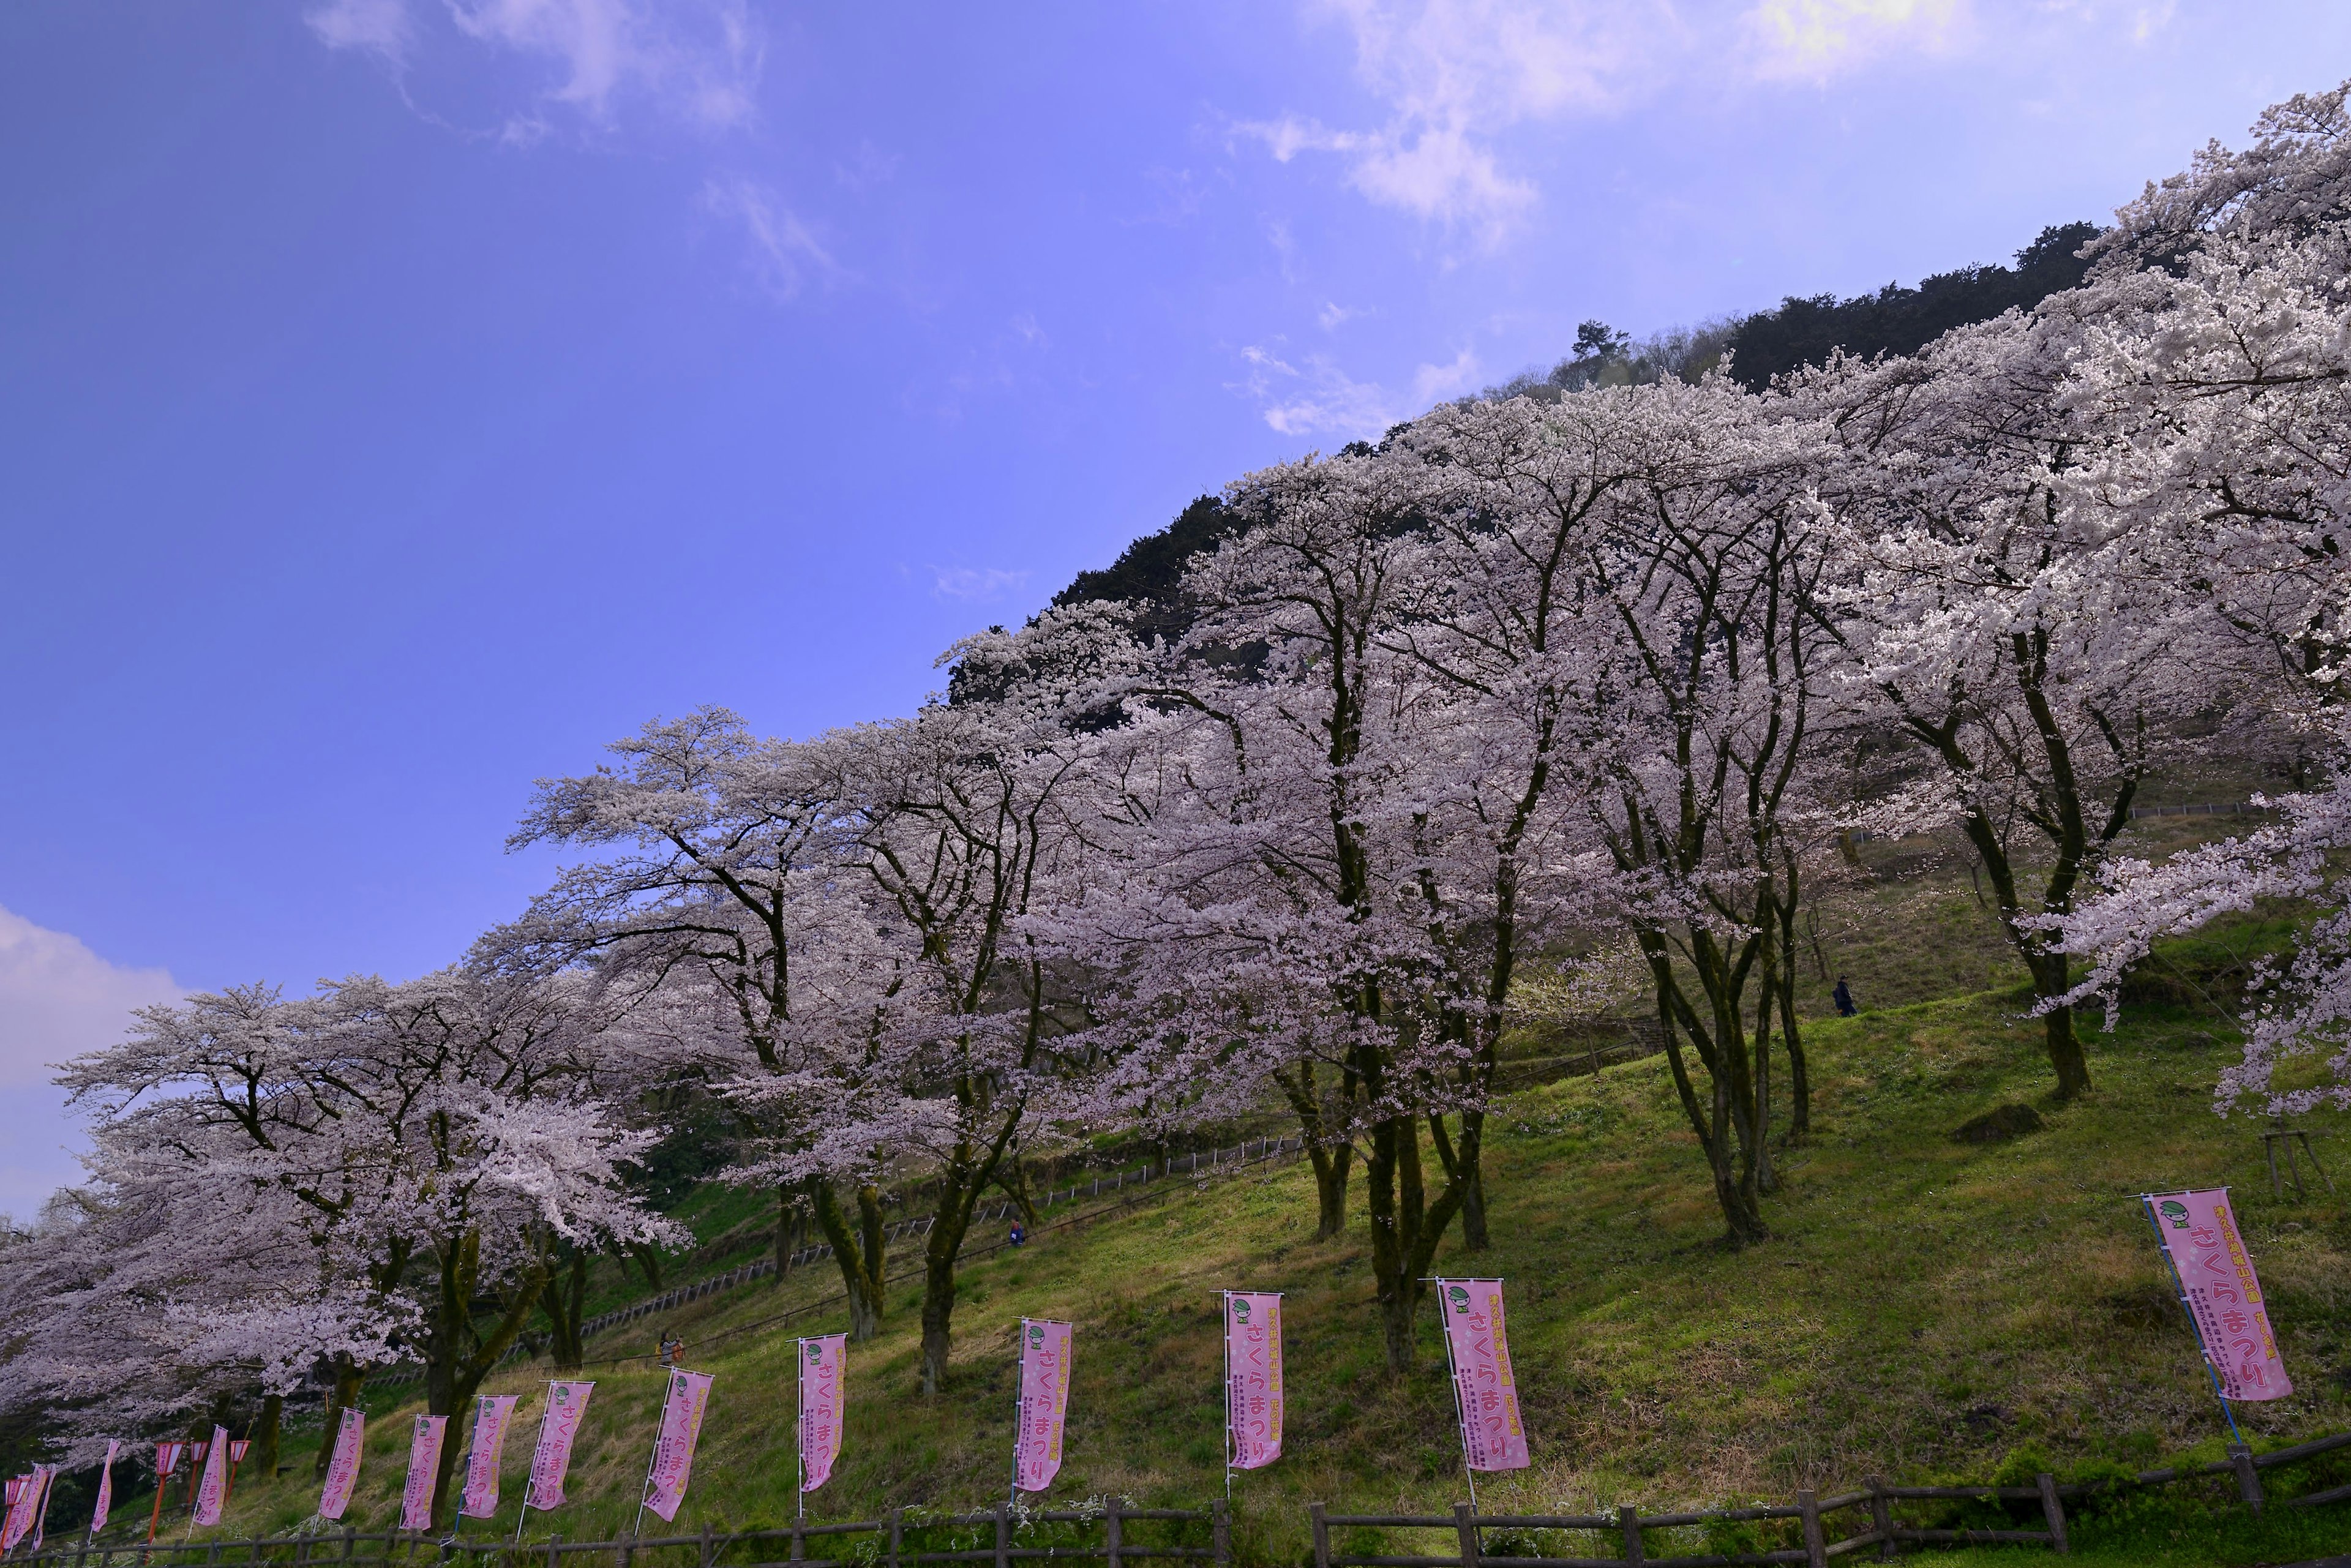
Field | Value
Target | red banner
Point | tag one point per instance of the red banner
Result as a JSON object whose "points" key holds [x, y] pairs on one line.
{"points": [[343, 1469], [681, 1424], [211, 1493], [2224, 1297], [1253, 1378], [551, 1459], [1044, 1402], [424, 1472], [823, 1400], [1492, 1437], [26, 1494]]}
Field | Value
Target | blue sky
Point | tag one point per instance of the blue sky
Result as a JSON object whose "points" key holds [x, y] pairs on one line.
{"points": [[404, 398]]}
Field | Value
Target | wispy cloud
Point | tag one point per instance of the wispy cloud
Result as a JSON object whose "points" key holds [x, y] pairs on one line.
{"points": [[976, 585], [58, 1000], [1814, 40], [1454, 76], [1452, 73], [699, 62], [783, 252], [1315, 397]]}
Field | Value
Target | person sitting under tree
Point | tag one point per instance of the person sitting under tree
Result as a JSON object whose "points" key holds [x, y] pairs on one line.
{"points": [[672, 1349]]}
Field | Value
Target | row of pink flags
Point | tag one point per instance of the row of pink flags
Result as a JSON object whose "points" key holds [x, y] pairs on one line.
{"points": [[1492, 1438], [2196, 1230]]}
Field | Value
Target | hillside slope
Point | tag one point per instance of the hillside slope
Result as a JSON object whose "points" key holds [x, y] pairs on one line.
{"points": [[1924, 1307]]}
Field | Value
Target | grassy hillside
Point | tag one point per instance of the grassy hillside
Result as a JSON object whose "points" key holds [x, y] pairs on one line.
{"points": [[1925, 1308]]}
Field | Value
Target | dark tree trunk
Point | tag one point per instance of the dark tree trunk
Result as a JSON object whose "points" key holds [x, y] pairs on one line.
{"points": [[563, 1302], [859, 1251], [1473, 1181], [265, 1428], [1324, 1119]]}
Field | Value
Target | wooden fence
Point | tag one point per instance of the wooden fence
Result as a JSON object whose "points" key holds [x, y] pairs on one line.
{"points": [[1113, 1534], [1107, 1534], [1505, 1541]]}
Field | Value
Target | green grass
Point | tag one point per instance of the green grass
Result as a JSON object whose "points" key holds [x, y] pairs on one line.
{"points": [[1925, 1310]]}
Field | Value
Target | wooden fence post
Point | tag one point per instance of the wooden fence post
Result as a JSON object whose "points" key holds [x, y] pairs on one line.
{"points": [[898, 1533], [705, 1543], [1628, 1520], [1464, 1530], [1817, 1546], [799, 1540], [1110, 1532], [1003, 1538], [1220, 1528], [1881, 1520], [1321, 1535], [2052, 1509], [551, 1542], [2249, 1480]]}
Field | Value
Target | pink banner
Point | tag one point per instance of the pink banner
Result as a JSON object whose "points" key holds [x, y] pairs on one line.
{"points": [[211, 1493], [105, 1488], [24, 1506], [1253, 1378], [48, 1483], [1492, 1438], [681, 1424], [424, 1472], [2199, 1235], [1044, 1402], [551, 1459], [491, 1413], [823, 1400], [343, 1469]]}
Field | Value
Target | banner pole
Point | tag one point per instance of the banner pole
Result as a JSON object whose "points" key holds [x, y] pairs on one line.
{"points": [[1225, 1332], [2179, 1286], [1019, 1414], [799, 1429], [522, 1509], [156, 1518], [1453, 1377], [651, 1462]]}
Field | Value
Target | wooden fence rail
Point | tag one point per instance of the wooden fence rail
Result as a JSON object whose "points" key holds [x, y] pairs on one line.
{"points": [[891, 1542]]}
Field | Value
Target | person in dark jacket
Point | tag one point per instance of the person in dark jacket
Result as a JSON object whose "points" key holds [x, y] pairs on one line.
{"points": [[1843, 1000]]}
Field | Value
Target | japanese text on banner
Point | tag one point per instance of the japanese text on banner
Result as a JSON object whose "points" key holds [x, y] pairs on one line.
{"points": [[551, 1459], [2224, 1297], [212, 1491], [1253, 1364], [1044, 1402], [681, 1424], [491, 1414], [424, 1472], [343, 1469], [1492, 1438], [822, 1403]]}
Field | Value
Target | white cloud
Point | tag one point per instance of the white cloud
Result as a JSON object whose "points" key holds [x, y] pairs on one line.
{"points": [[381, 26], [1816, 39], [58, 998], [976, 584], [1455, 72], [1333, 314], [783, 249], [1315, 397], [700, 61], [1432, 383]]}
